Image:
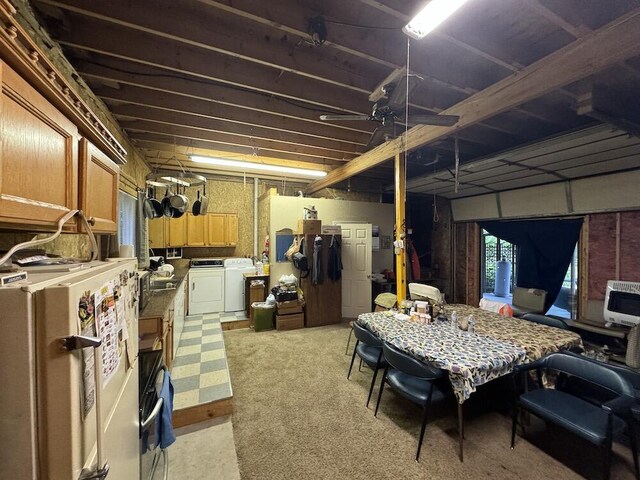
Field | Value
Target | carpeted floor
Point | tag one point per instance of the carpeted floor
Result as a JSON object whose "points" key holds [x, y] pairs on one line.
{"points": [[297, 417]]}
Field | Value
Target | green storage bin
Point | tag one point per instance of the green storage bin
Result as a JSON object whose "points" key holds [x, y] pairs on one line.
{"points": [[263, 316]]}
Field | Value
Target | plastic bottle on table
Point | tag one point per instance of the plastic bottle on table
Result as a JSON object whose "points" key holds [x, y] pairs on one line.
{"points": [[454, 322]]}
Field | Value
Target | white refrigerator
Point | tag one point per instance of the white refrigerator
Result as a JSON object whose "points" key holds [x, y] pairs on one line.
{"points": [[67, 410]]}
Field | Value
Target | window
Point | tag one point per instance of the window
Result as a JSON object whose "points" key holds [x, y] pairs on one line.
{"points": [[127, 207], [495, 249]]}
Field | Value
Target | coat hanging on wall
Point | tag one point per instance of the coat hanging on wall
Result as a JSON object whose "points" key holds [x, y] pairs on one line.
{"points": [[334, 267], [317, 276]]}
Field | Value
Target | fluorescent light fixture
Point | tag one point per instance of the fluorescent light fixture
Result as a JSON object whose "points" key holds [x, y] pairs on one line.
{"points": [[221, 162], [436, 12]]}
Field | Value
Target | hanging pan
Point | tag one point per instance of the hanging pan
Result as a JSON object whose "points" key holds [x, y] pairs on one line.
{"points": [[157, 206], [197, 205], [204, 201], [166, 205], [147, 206]]}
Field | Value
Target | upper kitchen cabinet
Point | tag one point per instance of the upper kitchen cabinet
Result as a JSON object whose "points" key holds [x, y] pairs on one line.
{"points": [[196, 230], [232, 229], [177, 232], [217, 229], [99, 178], [158, 232], [38, 157]]}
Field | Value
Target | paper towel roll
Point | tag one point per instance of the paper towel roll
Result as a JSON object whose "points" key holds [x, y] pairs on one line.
{"points": [[127, 251]]}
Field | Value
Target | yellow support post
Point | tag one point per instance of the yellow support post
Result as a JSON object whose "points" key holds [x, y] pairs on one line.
{"points": [[400, 198]]}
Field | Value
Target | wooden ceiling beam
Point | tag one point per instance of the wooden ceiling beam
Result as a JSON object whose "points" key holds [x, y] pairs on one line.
{"points": [[129, 96], [376, 48], [607, 46], [229, 151], [186, 60], [183, 24], [189, 132], [134, 113], [138, 112], [108, 71], [162, 151], [611, 107]]}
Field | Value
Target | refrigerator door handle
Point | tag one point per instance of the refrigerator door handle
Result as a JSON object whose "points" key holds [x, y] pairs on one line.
{"points": [[154, 413], [76, 342]]}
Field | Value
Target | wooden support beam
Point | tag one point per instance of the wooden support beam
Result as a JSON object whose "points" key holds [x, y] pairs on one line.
{"points": [[111, 71], [611, 107], [129, 99], [603, 48], [400, 202], [132, 113], [188, 60]]}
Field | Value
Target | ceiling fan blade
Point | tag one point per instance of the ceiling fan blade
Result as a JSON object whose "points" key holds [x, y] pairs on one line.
{"points": [[380, 135], [399, 94], [439, 120], [344, 117]]}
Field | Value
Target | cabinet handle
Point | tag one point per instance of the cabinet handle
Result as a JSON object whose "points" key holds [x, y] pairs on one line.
{"points": [[92, 221], [193, 286]]}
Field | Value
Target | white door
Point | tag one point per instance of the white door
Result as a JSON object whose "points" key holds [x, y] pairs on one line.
{"points": [[206, 294], [356, 273]]}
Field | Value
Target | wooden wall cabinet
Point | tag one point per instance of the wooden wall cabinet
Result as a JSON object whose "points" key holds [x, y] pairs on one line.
{"points": [[223, 229], [158, 232], [46, 169], [196, 230], [211, 230], [38, 157], [99, 180], [177, 232]]}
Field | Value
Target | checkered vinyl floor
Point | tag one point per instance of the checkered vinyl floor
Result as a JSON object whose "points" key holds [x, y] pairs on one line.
{"points": [[200, 373]]}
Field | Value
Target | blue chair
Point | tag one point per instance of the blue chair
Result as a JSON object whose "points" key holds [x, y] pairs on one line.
{"points": [[369, 348], [596, 423], [415, 381], [545, 320]]}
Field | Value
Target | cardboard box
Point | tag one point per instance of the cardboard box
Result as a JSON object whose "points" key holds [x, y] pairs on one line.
{"points": [[331, 230], [290, 322], [288, 308], [313, 227]]}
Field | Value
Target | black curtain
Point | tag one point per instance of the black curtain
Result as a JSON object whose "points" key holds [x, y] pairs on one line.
{"points": [[545, 249]]}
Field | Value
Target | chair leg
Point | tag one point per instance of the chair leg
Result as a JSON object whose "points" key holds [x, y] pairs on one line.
{"points": [[360, 366], [424, 427], [353, 357], [607, 459], [384, 378], [373, 380], [514, 422], [346, 350], [460, 431]]}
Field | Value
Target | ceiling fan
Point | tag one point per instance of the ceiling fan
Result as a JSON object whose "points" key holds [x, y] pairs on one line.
{"points": [[389, 109]]}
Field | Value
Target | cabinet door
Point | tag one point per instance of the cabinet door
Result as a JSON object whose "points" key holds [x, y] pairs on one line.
{"points": [[158, 232], [38, 158], [177, 231], [217, 229], [232, 229], [196, 230], [99, 178]]}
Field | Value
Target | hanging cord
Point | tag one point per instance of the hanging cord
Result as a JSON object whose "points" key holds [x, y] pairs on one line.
{"points": [[61, 222], [436, 216], [457, 171]]}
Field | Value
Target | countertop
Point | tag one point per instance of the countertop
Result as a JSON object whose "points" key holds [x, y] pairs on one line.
{"points": [[162, 300]]}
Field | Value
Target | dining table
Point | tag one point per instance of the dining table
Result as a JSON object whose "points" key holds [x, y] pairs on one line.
{"points": [[471, 359]]}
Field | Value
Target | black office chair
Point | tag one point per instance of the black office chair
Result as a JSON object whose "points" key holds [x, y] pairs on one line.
{"points": [[415, 381], [369, 349], [545, 320], [596, 423]]}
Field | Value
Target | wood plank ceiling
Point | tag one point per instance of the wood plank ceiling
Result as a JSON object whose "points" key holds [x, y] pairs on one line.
{"points": [[242, 79]]}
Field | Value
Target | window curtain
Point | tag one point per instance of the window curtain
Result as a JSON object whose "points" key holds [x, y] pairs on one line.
{"points": [[545, 250]]}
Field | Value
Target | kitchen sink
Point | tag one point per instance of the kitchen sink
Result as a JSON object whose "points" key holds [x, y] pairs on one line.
{"points": [[163, 283]]}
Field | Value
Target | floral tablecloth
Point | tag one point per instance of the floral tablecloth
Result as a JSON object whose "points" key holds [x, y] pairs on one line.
{"points": [[538, 340], [470, 359]]}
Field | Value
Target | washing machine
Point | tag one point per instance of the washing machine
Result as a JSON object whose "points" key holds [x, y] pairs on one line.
{"points": [[234, 270]]}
